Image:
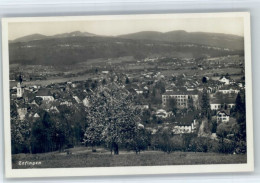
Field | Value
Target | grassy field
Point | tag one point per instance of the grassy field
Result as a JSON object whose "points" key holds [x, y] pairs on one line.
{"points": [[83, 157]]}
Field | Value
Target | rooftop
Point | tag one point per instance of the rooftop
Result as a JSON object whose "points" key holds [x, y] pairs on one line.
{"points": [[181, 92], [223, 99], [44, 92], [187, 119], [227, 112]]}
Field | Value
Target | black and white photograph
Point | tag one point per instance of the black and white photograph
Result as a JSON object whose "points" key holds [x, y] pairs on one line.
{"points": [[127, 94]]}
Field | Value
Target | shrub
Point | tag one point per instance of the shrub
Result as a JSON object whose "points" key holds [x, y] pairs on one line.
{"points": [[199, 144], [227, 146], [240, 147]]}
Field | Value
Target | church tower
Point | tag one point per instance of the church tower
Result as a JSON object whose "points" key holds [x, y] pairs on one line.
{"points": [[19, 93]]}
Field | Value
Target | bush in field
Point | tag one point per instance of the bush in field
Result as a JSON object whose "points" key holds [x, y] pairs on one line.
{"points": [[139, 140], [186, 138], [240, 147], [162, 140], [213, 146], [226, 133], [167, 142], [199, 144], [227, 146], [177, 143]]}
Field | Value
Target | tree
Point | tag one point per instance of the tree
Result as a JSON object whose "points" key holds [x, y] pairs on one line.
{"points": [[127, 81], [114, 116], [164, 141], [104, 81], [13, 110], [199, 144], [227, 145], [227, 75], [161, 86], [87, 85], [190, 104], [139, 140], [172, 105], [240, 106], [146, 115], [93, 134], [94, 84], [205, 104], [20, 136], [42, 135], [214, 126], [204, 79], [240, 113]]}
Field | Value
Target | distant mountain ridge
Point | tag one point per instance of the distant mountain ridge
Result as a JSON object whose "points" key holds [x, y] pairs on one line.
{"points": [[180, 36], [213, 39], [31, 37], [34, 37]]}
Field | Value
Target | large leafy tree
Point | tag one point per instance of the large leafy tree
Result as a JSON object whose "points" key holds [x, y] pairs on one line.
{"points": [[112, 117]]}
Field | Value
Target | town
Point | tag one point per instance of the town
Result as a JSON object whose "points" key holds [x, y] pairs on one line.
{"points": [[196, 104]]}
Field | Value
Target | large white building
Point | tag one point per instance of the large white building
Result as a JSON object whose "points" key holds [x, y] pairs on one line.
{"points": [[183, 98], [220, 101]]}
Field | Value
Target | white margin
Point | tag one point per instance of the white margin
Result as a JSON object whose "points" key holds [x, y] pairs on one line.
{"points": [[136, 170]]}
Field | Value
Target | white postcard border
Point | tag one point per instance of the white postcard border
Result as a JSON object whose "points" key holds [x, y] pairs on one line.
{"points": [[136, 170]]}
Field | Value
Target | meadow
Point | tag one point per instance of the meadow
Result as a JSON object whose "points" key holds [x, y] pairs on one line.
{"points": [[84, 157]]}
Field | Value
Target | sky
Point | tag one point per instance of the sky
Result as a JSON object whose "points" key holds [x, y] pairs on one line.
{"points": [[226, 25]]}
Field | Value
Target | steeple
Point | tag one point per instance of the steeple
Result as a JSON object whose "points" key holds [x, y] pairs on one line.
{"points": [[19, 87]]}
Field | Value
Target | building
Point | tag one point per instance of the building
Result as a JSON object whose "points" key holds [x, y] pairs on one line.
{"points": [[161, 113], [186, 127], [223, 116], [21, 113], [45, 94], [20, 90], [228, 89], [183, 98], [222, 101], [224, 80], [86, 102]]}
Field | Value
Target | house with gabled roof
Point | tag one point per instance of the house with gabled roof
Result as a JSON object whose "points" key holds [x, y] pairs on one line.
{"points": [[223, 116], [224, 80], [186, 127]]}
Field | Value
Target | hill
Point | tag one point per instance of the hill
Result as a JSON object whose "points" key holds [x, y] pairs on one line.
{"points": [[212, 39], [30, 38], [79, 47], [34, 37]]}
